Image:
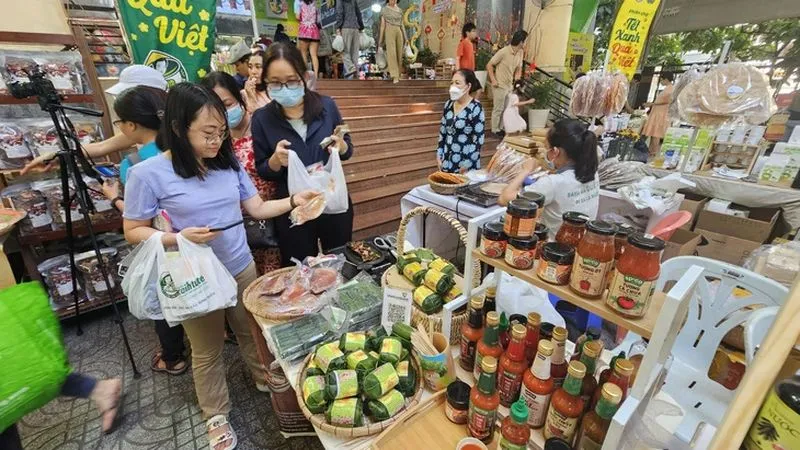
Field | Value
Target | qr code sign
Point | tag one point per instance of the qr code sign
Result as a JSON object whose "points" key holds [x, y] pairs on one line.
{"points": [[396, 307]]}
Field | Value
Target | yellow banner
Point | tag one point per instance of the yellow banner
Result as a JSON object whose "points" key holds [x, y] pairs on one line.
{"points": [[629, 35], [579, 54]]}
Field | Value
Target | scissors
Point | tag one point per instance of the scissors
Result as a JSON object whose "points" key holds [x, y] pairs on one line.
{"points": [[386, 243]]}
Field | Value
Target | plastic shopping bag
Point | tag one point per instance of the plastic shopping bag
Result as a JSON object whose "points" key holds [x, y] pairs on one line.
{"points": [[328, 179], [338, 43], [34, 363], [140, 284], [192, 282], [365, 41], [380, 58], [409, 52]]}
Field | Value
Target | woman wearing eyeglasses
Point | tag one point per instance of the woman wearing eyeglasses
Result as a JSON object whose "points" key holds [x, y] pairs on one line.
{"points": [[198, 180], [298, 119]]}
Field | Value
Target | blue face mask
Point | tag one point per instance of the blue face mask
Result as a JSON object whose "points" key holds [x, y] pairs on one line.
{"points": [[286, 96], [235, 115]]}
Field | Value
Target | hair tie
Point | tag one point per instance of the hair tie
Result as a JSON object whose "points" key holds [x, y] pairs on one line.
{"points": [[160, 114]]}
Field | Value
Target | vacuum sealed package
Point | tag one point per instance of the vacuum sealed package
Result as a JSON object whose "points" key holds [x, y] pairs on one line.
{"points": [[41, 136], [599, 94], [16, 66], [64, 70], [14, 151], [680, 84]]}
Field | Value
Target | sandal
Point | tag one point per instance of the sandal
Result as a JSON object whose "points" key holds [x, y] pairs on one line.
{"points": [[170, 368], [215, 423]]}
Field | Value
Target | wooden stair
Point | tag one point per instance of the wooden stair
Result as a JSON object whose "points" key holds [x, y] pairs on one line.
{"points": [[394, 128]]}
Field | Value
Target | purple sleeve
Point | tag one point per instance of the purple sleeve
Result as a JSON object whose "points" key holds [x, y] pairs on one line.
{"points": [[246, 187], [141, 203]]}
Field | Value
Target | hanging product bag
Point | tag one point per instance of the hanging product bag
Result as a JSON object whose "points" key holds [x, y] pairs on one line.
{"points": [[192, 282], [328, 179], [140, 284]]}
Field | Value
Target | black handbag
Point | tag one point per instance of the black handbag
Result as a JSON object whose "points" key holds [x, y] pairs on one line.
{"points": [[260, 233]]}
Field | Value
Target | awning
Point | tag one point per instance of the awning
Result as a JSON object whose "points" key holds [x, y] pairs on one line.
{"points": [[688, 15]]}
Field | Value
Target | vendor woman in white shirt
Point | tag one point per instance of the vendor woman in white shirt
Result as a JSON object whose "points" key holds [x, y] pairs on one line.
{"points": [[574, 184]]}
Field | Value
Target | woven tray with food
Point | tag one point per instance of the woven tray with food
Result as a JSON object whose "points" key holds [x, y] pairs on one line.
{"points": [[360, 384], [446, 183]]}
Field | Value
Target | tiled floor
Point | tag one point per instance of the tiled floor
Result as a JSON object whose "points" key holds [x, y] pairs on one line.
{"points": [[159, 411]]}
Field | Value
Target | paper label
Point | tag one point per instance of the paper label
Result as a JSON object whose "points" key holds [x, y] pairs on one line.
{"points": [[552, 272], [61, 82], [559, 425], [42, 218], [467, 359], [630, 295], [508, 386], [735, 91], [481, 421], [393, 402], [312, 385], [100, 286], [343, 412], [356, 357], [396, 307], [505, 445], [64, 288], [326, 354], [16, 151], [386, 376], [354, 341], [493, 249], [589, 275], [537, 406], [346, 383], [776, 427], [402, 369]]}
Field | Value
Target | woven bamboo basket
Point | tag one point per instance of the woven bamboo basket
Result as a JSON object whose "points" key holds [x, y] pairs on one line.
{"points": [[257, 306], [417, 316], [318, 420], [447, 189]]}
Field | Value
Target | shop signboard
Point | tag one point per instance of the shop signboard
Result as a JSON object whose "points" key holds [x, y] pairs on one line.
{"points": [[629, 35], [579, 54], [327, 13], [176, 38], [234, 7]]}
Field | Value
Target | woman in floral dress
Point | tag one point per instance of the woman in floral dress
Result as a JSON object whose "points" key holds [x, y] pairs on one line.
{"points": [[224, 85], [462, 126]]}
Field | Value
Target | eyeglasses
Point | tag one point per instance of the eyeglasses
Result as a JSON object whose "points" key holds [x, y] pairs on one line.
{"points": [[212, 139], [291, 84]]}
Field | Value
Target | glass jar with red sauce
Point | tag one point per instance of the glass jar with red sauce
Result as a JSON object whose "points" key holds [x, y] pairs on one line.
{"points": [[593, 259], [620, 241], [494, 240], [637, 271], [520, 220], [572, 228]]}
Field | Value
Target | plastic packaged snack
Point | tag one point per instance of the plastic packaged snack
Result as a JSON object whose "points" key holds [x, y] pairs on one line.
{"points": [[16, 66], [779, 262], [58, 278], [506, 163], [41, 136], [14, 151], [88, 129], [64, 70], [94, 282], [680, 84], [51, 190], [25, 198]]}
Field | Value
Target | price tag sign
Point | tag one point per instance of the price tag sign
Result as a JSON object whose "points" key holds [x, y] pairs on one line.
{"points": [[396, 307]]}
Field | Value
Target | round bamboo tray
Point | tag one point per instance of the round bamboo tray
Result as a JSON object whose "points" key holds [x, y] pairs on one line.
{"points": [[318, 420], [257, 306], [447, 189], [417, 316]]}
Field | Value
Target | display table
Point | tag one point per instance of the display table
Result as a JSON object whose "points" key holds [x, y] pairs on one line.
{"points": [[751, 195]]}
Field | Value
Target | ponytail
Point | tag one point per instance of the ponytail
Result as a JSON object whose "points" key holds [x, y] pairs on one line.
{"points": [[579, 143]]}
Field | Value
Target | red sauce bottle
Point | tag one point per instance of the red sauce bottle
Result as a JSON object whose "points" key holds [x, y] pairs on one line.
{"points": [[532, 337], [620, 376], [512, 367], [566, 406], [483, 402], [558, 365], [593, 259], [490, 344], [538, 386], [606, 373], [471, 333], [514, 429]]}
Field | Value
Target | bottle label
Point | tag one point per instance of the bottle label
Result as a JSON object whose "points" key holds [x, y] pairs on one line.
{"points": [[586, 443], [553, 273], [481, 421], [776, 426], [630, 295], [559, 425], [476, 369], [508, 386], [346, 383], [505, 445], [537, 406], [393, 402], [343, 412], [467, 359], [589, 275]]}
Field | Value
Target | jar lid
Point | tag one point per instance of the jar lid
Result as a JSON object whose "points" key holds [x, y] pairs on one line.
{"points": [[534, 318], [523, 243], [601, 227], [624, 230], [541, 232], [518, 331], [575, 218], [522, 208], [558, 253], [458, 394], [593, 332], [546, 329], [646, 241], [534, 197], [494, 231], [555, 443]]}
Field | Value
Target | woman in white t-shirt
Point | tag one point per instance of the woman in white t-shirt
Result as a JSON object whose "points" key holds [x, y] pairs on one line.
{"points": [[574, 185]]}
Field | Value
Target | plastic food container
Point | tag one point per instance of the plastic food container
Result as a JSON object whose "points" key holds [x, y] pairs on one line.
{"points": [[89, 267], [25, 198], [58, 279]]}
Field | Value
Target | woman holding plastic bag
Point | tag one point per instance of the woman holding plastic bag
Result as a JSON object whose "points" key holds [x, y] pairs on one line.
{"points": [[200, 183], [299, 126]]}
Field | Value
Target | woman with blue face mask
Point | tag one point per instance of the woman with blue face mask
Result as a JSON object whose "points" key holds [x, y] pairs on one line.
{"points": [[239, 115], [298, 119]]}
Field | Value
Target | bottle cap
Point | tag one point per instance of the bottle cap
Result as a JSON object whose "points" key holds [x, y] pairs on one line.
{"points": [[624, 367], [555, 443], [534, 318], [518, 332], [503, 321], [592, 349], [491, 291], [593, 332], [519, 411], [576, 369], [559, 334], [476, 303], [545, 347], [489, 364], [492, 319], [612, 393]]}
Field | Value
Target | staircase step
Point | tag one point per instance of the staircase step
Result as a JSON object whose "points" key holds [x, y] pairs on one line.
{"points": [[385, 147], [386, 120], [361, 100], [383, 90], [407, 130], [407, 151], [350, 112], [326, 83]]}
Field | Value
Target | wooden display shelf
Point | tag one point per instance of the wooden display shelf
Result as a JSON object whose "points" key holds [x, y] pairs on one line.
{"points": [[643, 327], [86, 306], [66, 98], [78, 229]]}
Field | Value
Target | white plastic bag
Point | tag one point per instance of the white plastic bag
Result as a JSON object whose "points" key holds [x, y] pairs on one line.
{"points": [[140, 284], [365, 41], [338, 43], [328, 179], [515, 296], [380, 59], [409, 52], [192, 282]]}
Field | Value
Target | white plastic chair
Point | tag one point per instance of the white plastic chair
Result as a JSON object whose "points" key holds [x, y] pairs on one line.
{"points": [[706, 295]]}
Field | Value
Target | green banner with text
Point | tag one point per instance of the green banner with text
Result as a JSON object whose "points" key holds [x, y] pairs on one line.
{"points": [[175, 37]]}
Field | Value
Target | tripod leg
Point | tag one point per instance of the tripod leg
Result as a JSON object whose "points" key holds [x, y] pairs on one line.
{"points": [[66, 201]]}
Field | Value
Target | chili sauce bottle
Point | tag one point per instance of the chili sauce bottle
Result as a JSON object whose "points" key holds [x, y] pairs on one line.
{"points": [[532, 337], [558, 365], [620, 376], [514, 428], [591, 351], [490, 301], [596, 422], [483, 402], [512, 367], [538, 386], [490, 344], [505, 337], [591, 334], [566, 406], [471, 333]]}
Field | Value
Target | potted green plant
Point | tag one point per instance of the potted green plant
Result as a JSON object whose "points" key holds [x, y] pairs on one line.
{"points": [[427, 58], [543, 91]]}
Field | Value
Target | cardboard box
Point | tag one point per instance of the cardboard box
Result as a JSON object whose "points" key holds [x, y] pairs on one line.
{"points": [[757, 228], [682, 243], [724, 247], [692, 203]]}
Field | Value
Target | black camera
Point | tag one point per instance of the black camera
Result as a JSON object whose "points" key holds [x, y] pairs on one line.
{"points": [[38, 86]]}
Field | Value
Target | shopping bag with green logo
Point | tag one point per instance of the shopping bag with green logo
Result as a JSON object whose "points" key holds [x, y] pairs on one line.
{"points": [[33, 363], [192, 282]]}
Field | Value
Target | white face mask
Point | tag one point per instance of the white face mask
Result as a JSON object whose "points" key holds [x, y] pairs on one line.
{"points": [[551, 165], [456, 93]]}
